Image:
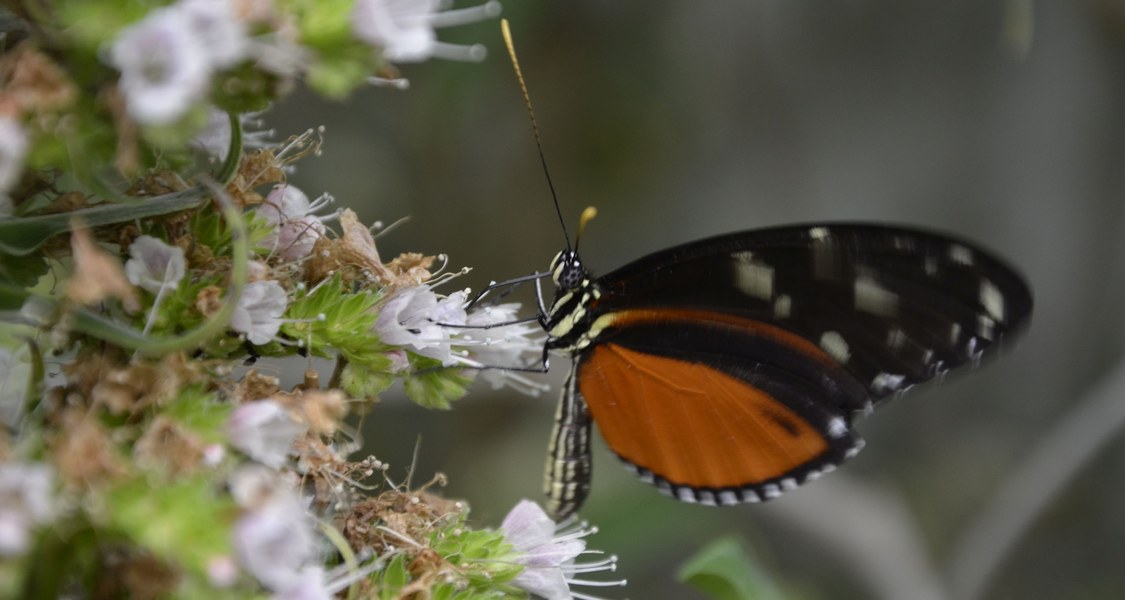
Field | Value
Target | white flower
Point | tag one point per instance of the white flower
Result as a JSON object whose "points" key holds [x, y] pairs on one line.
{"points": [[548, 552], [414, 317], [218, 30], [296, 228], [154, 265], [512, 345], [13, 149], [26, 501], [275, 541], [259, 309], [264, 431], [308, 585], [164, 67], [314, 584], [404, 29]]}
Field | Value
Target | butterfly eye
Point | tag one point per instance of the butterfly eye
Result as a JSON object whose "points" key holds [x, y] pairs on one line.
{"points": [[567, 271], [572, 274]]}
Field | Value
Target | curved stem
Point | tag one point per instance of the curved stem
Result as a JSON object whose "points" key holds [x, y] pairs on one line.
{"points": [[95, 325], [233, 160]]}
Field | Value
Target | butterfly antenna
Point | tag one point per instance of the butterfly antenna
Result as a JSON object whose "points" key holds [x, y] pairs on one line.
{"points": [[534, 126], [587, 216]]}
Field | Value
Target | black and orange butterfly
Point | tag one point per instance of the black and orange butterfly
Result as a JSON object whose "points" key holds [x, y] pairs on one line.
{"points": [[729, 369]]}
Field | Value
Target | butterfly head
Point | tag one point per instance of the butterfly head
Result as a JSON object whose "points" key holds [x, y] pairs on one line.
{"points": [[567, 271]]}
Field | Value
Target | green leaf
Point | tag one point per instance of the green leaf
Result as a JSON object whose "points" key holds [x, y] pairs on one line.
{"points": [[724, 570], [393, 578], [23, 235], [362, 381], [201, 412], [184, 521], [23, 271], [334, 318], [433, 385]]}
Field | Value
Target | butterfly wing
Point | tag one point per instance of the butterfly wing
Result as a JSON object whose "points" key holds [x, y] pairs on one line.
{"points": [[894, 306], [727, 370]]}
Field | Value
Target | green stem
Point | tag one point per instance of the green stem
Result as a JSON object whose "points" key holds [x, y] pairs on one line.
{"points": [[230, 166], [23, 235]]}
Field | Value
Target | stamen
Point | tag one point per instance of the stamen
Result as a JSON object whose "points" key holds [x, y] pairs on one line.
{"points": [[398, 83], [465, 16], [473, 53]]}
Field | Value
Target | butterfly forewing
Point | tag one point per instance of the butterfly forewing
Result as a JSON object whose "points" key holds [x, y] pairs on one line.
{"points": [[894, 306], [727, 370]]}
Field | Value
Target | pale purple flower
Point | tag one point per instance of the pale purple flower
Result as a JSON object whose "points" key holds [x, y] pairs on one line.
{"points": [[313, 583], [413, 317], [512, 345], [308, 585], [548, 552], [165, 67], [258, 311], [295, 226], [154, 265], [215, 137], [218, 30], [264, 430], [404, 29], [26, 501], [13, 149], [222, 571], [275, 541]]}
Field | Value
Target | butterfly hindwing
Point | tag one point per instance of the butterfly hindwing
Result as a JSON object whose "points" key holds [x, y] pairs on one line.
{"points": [[717, 409]]}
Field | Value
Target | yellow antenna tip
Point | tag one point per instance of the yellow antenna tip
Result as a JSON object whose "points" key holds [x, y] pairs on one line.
{"points": [[588, 215]]}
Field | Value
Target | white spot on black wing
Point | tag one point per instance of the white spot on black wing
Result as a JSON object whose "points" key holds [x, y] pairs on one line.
{"points": [[837, 427], [992, 299], [782, 306], [960, 255], [835, 345], [752, 276], [885, 383], [871, 297]]}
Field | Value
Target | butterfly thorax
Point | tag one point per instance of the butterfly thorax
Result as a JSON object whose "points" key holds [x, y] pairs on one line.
{"points": [[572, 312]]}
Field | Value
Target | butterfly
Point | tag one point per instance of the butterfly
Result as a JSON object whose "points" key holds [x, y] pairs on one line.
{"points": [[729, 369]]}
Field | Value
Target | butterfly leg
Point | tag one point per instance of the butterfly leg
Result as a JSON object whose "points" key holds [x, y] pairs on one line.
{"points": [[509, 283]]}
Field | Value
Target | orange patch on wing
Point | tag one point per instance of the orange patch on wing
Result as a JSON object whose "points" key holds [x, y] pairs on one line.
{"points": [[691, 424]]}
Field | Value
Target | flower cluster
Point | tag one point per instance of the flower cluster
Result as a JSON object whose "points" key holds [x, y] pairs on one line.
{"points": [[160, 76], [142, 452]]}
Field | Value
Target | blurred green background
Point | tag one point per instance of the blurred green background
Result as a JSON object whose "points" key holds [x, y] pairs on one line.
{"points": [[686, 119]]}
